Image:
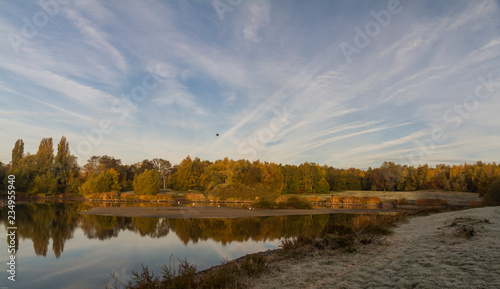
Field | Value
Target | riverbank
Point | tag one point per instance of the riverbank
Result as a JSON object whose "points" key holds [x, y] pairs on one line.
{"points": [[216, 212], [457, 249]]}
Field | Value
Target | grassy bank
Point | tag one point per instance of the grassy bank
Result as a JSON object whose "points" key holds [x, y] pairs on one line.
{"points": [[346, 237]]}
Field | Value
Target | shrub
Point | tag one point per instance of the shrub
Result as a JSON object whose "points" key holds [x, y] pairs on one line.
{"points": [[492, 196], [431, 202], [127, 196], [242, 192], [253, 265], [466, 231], [354, 200], [263, 204], [295, 203], [475, 204], [194, 197], [402, 201], [224, 276]]}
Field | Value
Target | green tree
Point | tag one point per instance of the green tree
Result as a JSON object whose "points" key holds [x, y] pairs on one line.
{"points": [[108, 181], [43, 184], [65, 164], [164, 169], [323, 187], [147, 183], [3, 175], [189, 174], [45, 156], [17, 152]]}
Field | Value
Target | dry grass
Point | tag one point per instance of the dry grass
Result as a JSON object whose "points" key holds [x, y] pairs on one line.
{"points": [[354, 200], [453, 198], [103, 196], [147, 198], [402, 202], [314, 199], [195, 197], [431, 202], [475, 204]]}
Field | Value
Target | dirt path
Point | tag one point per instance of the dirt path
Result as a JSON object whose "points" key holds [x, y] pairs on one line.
{"points": [[427, 252]]}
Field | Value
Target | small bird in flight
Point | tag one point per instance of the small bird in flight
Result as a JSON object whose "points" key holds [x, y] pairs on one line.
{"points": [[217, 134]]}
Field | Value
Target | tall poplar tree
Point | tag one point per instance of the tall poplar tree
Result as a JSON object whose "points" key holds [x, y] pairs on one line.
{"points": [[45, 156], [17, 152], [64, 163]]}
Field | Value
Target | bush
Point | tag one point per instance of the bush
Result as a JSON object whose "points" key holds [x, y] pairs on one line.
{"points": [[295, 203], [466, 231], [127, 196], [431, 202], [475, 204], [492, 196], [194, 197], [224, 276], [402, 201], [253, 265], [242, 192], [354, 200], [263, 204]]}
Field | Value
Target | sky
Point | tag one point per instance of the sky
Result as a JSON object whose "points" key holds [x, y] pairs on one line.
{"points": [[341, 83]]}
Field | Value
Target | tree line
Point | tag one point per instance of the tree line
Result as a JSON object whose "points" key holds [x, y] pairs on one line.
{"points": [[50, 173]]}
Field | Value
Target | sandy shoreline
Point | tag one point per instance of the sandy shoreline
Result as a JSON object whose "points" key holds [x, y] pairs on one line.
{"points": [[426, 252], [213, 212]]}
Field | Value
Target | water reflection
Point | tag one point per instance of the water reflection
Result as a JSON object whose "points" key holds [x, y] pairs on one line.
{"points": [[57, 222], [101, 245]]}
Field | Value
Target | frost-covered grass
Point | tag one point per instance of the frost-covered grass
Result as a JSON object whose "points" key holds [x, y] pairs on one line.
{"points": [[457, 249]]}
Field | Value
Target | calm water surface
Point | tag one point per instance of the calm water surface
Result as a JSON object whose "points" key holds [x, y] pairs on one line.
{"points": [[59, 248]]}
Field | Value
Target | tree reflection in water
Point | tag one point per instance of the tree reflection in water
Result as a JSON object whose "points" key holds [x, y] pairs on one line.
{"points": [[58, 221]]}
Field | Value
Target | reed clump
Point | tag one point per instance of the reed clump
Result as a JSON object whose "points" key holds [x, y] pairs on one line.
{"points": [[354, 200]]}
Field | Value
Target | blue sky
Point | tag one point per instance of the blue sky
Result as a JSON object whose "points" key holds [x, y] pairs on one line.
{"points": [[342, 83]]}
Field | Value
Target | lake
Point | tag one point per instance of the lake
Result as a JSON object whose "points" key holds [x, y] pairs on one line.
{"points": [[60, 248]]}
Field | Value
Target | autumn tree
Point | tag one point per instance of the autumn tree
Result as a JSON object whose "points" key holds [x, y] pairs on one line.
{"points": [[38, 169], [45, 156], [108, 181], [17, 153], [189, 174], [66, 167], [147, 183]]}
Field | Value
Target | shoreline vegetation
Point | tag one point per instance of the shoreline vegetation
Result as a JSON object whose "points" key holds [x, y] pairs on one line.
{"points": [[346, 249], [390, 250]]}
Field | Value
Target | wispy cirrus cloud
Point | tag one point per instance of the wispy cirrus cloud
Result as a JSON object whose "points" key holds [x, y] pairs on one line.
{"points": [[230, 77]]}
